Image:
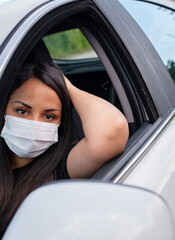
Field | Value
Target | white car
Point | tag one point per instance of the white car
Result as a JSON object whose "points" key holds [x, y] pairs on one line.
{"points": [[131, 63]]}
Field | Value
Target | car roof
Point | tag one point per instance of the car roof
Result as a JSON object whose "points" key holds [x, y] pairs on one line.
{"points": [[13, 11]]}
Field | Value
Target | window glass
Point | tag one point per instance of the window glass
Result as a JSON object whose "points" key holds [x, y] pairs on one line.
{"points": [[69, 45], [159, 25]]}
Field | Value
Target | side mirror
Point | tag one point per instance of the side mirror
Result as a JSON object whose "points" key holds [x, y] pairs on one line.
{"points": [[91, 210]]}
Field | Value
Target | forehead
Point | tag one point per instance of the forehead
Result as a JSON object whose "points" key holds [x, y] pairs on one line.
{"points": [[33, 90]]}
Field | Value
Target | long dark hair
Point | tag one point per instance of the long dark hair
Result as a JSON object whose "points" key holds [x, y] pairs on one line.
{"points": [[42, 168]]}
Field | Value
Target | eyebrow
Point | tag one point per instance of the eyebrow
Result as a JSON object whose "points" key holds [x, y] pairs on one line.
{"points": [[29, 107], [51, 110], [24, 104]]}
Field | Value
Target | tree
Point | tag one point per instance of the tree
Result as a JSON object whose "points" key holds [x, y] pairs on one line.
{"points": [[171, 68]]}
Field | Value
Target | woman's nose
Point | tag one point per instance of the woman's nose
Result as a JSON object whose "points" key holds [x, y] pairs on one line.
{"points": [[36, 117]]}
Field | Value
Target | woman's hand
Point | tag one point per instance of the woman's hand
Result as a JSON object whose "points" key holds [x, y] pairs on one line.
{"points": [[68, 83], [106, 133]]}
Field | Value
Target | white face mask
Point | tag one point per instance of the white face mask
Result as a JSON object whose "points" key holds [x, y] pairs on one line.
{"points": [[28, 138]]}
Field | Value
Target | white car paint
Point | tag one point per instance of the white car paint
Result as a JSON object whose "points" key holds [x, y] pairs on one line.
{"points": [[12, 12], [156, 167], [91, 210]]}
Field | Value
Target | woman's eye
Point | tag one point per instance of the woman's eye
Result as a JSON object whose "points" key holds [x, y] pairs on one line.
{"points": [[49, 117], [21, 111]]}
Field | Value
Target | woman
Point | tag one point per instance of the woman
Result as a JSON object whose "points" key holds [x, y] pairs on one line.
{"points": [[39, 109]]}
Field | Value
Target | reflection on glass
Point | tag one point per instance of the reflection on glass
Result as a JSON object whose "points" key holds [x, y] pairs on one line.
{"points": [[171, 68], [159, 25]]}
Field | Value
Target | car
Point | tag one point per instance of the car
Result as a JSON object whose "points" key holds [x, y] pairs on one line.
{"points": [[131, 65]]}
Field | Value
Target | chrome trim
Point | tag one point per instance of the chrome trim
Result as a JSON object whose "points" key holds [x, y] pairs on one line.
{"points": [[146, 146], [18, 36]]}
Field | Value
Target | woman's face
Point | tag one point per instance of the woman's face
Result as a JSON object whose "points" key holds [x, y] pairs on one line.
{"points": [[35, 100]]}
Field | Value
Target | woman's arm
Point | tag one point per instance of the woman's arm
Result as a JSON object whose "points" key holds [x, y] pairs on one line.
{"points": [[106, 133]]}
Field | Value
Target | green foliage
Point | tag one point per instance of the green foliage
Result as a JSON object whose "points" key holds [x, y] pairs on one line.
{"points": [[67, 43], [171, 68]]}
